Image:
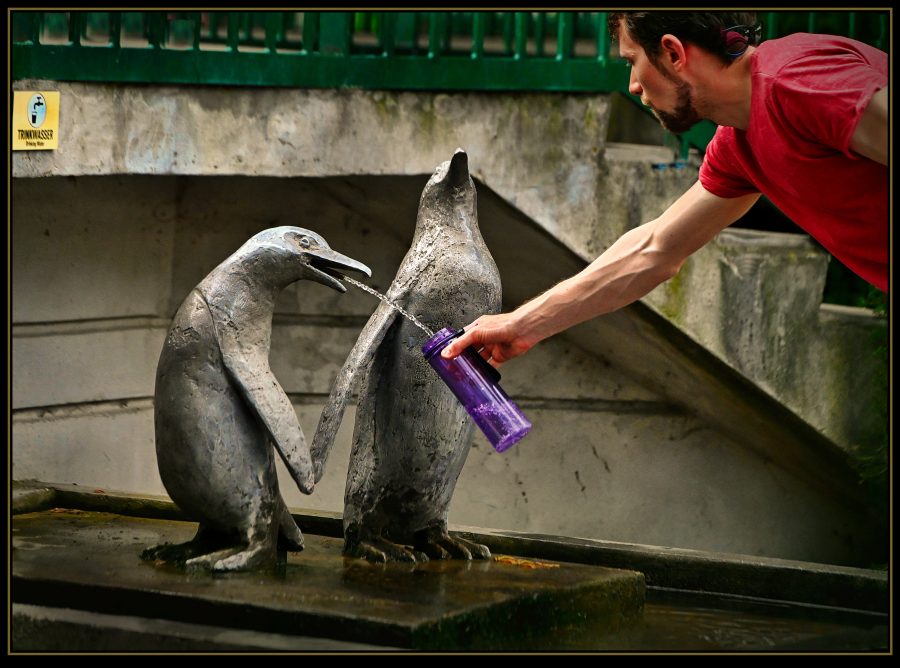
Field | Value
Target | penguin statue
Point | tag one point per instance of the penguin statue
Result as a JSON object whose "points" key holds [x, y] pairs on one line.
{"points": [[219, 409], [412, 436]]}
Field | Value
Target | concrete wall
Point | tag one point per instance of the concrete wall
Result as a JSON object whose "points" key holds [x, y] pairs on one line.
{"points": [[755, 300], [153, 186], [101, 263], [547, 155]]}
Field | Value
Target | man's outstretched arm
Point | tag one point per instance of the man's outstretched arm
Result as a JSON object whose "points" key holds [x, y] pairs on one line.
{"points": [[640, 260]]}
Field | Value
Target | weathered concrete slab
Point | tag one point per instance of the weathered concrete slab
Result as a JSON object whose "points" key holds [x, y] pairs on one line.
{"points": [[754, 299], [90, 561], [714, 573], [599, 468], [36, 628], [696, 601]]}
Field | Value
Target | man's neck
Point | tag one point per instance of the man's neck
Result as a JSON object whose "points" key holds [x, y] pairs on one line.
{"points": [[724, 93]]}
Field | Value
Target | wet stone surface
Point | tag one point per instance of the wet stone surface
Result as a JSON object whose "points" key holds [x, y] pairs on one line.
{"points": [[68, 558]]}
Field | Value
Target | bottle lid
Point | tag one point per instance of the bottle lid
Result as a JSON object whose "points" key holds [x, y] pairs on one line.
{"points": [[439, 340]]}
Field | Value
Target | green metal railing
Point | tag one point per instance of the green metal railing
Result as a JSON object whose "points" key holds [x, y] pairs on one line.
{"points": [[488, 51], [393, 50]]}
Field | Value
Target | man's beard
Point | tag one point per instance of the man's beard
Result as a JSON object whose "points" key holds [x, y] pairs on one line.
{"points": [[684, 117]]}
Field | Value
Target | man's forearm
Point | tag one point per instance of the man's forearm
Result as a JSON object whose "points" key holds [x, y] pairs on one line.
{"points": [[640, 260], [627, 271]]}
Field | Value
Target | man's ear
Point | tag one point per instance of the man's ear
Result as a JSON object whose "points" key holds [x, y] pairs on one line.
{"points": [[672, 52]]}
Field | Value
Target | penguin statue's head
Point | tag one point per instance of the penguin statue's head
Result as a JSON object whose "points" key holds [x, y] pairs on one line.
{"points": [[449, 195], [289, 254]]}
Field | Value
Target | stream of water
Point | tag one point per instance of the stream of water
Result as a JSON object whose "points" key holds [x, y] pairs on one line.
{"points": [[394, 306]]}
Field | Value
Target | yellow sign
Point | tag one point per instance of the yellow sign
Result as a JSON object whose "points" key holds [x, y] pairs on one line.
{"points": [[35, 121]]}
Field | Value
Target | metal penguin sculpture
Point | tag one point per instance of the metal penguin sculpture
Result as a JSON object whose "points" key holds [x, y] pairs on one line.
{"points": [[412, 436], [219, 408]]}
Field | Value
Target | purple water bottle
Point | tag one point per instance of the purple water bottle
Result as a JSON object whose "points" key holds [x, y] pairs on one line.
{"points": [[477, 385]]}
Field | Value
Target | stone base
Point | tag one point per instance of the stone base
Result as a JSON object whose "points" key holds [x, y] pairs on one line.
{"points": [[90, 562]]}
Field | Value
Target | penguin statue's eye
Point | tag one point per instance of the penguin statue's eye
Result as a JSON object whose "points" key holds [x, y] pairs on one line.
{"points": [[305, 242]]}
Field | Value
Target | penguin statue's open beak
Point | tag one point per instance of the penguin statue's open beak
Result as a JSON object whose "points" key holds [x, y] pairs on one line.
{"points": [[326, 266]]}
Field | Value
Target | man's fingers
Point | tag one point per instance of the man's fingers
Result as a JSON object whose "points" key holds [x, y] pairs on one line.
{"points": [[498, 357], [495, 358], [450, 351], [457, 345]]}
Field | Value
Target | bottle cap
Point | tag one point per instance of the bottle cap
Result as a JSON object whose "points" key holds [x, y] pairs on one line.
{"points": [[439, 340]]}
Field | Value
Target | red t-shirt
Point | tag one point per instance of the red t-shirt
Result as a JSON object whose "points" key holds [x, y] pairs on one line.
{"points": [[808, 93]]}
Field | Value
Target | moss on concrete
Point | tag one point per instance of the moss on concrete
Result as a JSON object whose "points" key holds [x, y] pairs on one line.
{"points": [[676, 295]]}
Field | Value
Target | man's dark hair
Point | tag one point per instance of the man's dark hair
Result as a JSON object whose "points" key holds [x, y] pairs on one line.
{"points": [[724, 34]]}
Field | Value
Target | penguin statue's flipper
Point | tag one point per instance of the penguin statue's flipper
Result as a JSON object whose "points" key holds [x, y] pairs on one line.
{"points": [[263, 392], [249, 370], [290, 537], [359, 359]]}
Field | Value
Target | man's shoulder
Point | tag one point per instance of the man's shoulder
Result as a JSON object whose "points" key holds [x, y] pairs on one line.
{"points": [[812, 41], [796, 52]]}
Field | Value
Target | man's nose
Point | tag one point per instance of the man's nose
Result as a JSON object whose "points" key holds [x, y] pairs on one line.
{"points": [[634, 87]]}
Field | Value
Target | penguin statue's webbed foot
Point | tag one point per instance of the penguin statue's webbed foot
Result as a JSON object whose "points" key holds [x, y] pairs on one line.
{"points": [[235, 559], [380, 550], [203, 542], [437, 543], [214, 551]]}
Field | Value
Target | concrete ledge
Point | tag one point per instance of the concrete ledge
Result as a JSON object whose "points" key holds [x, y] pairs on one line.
{"points": [[62, 558], [36, 628], [645, 153], [711, 572], [693, 570], [211, 130]]}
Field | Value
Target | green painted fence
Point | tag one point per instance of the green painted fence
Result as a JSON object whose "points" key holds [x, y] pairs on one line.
{"points": [[393, 50]]}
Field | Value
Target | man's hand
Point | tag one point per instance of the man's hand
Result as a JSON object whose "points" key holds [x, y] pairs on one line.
{"points": [[496, 337]]}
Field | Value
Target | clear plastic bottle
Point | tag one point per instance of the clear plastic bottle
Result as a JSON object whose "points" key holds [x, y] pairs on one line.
{"points": [[477, 386]]}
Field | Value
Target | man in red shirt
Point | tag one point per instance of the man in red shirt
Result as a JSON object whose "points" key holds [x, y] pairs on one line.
{"points": [[803, 120]]}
